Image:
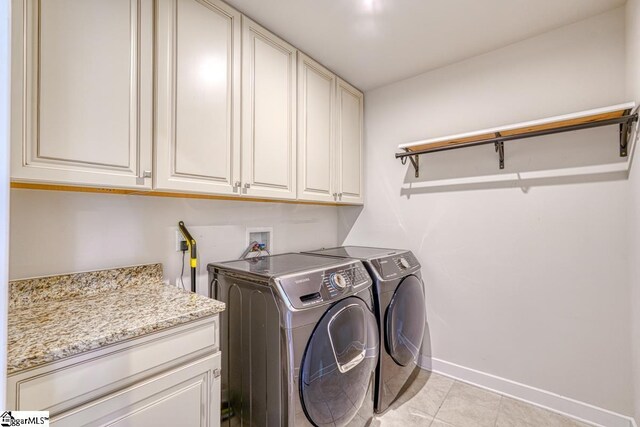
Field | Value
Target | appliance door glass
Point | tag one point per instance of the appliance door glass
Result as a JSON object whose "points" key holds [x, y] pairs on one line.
{"points": [[405, 321], [338, 363]]}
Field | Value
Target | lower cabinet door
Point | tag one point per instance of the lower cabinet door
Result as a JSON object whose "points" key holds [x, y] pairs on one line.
{"points": [[187, 396]]}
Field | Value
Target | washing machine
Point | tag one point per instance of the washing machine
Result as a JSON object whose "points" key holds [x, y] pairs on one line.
{"points": [[299, 341], [400, 311]]}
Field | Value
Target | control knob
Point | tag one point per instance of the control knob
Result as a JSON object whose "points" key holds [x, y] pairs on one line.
{"points": [[338, 281], [404, 263]]}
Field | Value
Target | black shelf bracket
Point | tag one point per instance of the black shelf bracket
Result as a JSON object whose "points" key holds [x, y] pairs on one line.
{"points": [[415, 161], [625, 123], [500, 150], [625, 132]]}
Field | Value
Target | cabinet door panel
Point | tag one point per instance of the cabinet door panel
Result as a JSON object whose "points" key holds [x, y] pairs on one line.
{"points": [[83, 115], [71, 33], [197, 143], [316, 99], [350, 109], [189, 393], [269, 105]]}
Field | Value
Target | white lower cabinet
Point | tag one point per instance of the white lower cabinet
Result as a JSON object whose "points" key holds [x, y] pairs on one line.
{"points": [[166, 378], [181, 395]]}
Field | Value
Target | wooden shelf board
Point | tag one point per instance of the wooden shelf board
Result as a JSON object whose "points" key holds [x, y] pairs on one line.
{"points": [[556, 122], [153, 193]]}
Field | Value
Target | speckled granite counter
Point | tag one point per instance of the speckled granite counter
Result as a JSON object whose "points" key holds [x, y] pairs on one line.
{"points": [[55, 317]]}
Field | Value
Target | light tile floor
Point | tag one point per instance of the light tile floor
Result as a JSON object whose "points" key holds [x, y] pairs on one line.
{"points": [[436, 401]]}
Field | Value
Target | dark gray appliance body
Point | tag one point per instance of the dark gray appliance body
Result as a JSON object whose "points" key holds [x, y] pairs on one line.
{"points": [[299, 341], [401, 313]]}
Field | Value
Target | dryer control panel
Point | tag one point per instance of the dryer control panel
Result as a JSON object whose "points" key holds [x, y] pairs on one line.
{"points": [[310, 289], [337, 282], [396, 265]]}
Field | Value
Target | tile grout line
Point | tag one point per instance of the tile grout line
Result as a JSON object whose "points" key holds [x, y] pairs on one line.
{"points": [[443, 400], [500, 396], [502, 404], [495, 423]]}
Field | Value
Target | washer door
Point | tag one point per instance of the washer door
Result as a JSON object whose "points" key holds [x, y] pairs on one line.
{"points": [[405, 321], [338, 363]]}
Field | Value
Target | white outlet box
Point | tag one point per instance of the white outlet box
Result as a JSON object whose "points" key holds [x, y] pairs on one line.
{"points": [[179, 238], [263, 235]]}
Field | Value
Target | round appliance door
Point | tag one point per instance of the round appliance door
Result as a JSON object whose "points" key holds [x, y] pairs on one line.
{"points": [[405, 321], [338, 363]]}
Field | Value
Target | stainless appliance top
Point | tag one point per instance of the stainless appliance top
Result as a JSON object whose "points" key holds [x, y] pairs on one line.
{"points": [[385, 264], [358, 252], [278, 265], [302, 280]]}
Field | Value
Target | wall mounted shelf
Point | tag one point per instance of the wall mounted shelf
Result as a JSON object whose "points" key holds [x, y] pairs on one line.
{"points": [[623, 115]]}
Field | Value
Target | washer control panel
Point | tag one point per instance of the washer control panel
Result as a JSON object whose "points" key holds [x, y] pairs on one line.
{"points": [[403, 264], [339, 281], [397, 265], [310, 289]]}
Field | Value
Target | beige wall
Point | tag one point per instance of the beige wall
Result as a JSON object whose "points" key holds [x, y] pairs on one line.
{"points": [[633, 90], [57, 232], [526, 278]]}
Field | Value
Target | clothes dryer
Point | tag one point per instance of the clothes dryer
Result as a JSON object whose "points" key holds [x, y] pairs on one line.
{"points": [[401, 314]]}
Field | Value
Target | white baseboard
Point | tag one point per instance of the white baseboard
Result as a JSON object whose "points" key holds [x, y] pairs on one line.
{"points": [[554, 402]]}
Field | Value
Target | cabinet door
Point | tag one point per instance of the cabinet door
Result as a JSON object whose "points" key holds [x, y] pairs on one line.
{"points": [[316, 151], [198, 97], [82, 92], [349, 141], [268, 114], [188, 396]]}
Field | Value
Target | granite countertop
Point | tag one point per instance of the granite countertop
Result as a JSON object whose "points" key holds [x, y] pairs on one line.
{"points": [[55, 317]]}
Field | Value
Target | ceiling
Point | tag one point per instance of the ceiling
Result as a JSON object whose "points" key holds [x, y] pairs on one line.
{"points": [[371, 43]]}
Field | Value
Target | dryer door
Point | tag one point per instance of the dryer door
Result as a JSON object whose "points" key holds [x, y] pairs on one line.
{"points": [[405, 321], [338, 363]]}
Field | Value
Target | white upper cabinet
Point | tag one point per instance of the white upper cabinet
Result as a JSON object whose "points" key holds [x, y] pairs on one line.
{"points": [[268, 114], [82, 92], [198, 97], [330, 114], [186, 96], [316, 117], [350, 102]]}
